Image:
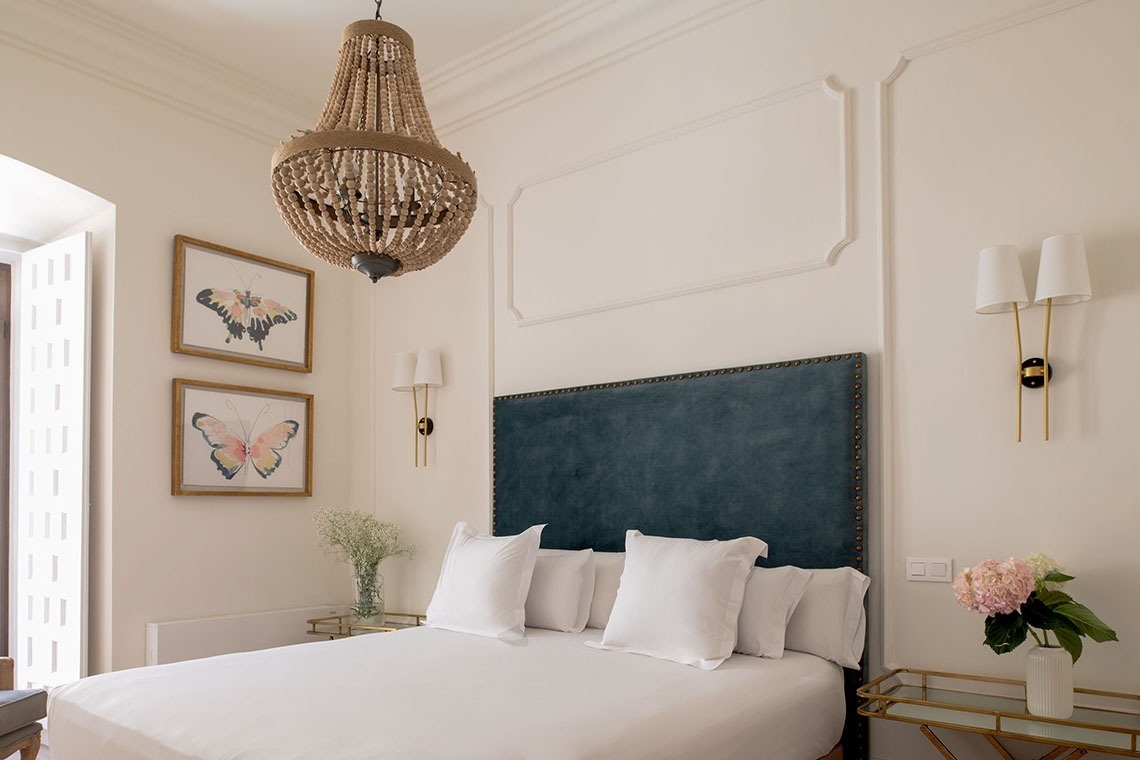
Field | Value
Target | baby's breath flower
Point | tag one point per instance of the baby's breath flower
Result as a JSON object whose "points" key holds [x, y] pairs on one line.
{"points": [[363, 541], [358, 538]]}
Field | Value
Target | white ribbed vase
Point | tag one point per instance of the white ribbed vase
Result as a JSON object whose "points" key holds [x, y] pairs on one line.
{"points": [[1049, 682]]}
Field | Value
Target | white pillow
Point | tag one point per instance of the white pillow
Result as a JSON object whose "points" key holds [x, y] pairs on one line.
{"points": [[607, 576], [830, 620], [561, 590], [679, 598], [770, 597], [483, 583]]}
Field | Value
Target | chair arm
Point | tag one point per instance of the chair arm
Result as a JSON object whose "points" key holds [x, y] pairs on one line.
{"points": [[7, 674]]}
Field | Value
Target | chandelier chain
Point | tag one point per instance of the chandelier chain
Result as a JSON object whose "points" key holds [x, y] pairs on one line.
{"points": [[378, 4]]}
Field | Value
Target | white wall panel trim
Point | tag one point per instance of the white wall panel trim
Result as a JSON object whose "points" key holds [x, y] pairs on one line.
{"points": [[993, 27], [890, 555], [795, 262]]}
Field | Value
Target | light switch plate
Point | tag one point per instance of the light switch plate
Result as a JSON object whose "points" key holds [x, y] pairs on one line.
{"points": [[930, 569]]}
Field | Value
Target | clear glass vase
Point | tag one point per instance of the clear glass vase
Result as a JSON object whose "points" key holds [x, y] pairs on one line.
{"points": [[368, 604]]}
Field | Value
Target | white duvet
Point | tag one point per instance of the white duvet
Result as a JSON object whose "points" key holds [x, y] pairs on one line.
{"points": [[428, 693]]}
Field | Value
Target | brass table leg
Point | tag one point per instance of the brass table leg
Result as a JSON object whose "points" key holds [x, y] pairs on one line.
{"points": [[938, 745], [1000, 749], [1057, 753]]}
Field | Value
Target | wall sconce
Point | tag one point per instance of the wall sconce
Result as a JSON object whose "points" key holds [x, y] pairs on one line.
{"points": [[415, 371], [1062, 278]]}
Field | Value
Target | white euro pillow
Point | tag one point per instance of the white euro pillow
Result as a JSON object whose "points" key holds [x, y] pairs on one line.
{"points": [[561, 590], [680, 598], [770, 597], [483, 583], [830, 620], [607, 576]]}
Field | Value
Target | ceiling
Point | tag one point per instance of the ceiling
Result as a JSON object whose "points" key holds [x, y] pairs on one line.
{"points": [[292, 45], [288, 48]]}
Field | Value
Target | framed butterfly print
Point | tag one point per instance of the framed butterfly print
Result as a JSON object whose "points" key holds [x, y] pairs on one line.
{"points": [[231, 440], [240, 307]]}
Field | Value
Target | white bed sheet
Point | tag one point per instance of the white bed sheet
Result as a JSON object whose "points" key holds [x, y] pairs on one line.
{"points": [[427, 693]]}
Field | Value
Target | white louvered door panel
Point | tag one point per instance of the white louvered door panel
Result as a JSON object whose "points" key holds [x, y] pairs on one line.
{"points": [[49, 526]]}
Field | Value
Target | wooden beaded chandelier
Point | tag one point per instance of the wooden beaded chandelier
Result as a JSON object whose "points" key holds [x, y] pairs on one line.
{"points": [[371, 188]]}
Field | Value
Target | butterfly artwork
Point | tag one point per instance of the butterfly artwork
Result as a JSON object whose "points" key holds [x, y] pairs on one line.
{"points": [[245, 312], [232, 451]]}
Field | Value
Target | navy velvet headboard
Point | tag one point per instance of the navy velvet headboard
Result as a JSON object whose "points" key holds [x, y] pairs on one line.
{"points": [[770, 450]]}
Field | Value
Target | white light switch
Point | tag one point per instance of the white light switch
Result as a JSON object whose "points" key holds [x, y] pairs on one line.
{"points": [[930, 569]]}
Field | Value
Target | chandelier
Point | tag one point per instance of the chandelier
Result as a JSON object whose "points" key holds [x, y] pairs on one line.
{"points": [[371, 188]]}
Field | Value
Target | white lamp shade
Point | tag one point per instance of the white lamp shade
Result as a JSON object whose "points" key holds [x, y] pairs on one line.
{"points": [[1000, 282], [404, 378], [428, 369], [1064, 272]]}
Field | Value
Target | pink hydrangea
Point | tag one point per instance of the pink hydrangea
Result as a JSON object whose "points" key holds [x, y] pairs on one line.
{"points": [[995, 586]]}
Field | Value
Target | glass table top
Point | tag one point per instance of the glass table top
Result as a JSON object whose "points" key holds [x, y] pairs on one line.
{"points": [[1105, 721], [339, 626]]}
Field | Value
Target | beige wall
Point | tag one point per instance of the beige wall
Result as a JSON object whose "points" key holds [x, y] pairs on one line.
{"points": [[1007, 122], [989, 133], [158, 557]]}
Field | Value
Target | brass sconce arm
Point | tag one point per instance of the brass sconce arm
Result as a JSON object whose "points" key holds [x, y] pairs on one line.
{"points": [[1062, 278], [413, 372]]}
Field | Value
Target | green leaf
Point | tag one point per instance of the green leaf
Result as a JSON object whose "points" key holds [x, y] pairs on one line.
{"points": [[1036, 613], [1070, 639], [1004, 633], [1051, 598], [1057, 577], [1088, 623]]}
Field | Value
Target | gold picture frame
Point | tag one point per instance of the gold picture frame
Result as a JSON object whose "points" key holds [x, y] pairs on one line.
{"points": [[233, 440], [237, 307]]}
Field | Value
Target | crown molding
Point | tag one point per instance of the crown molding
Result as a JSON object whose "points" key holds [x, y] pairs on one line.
{"points": [[112, 49], [573, 42], [550, 24]]}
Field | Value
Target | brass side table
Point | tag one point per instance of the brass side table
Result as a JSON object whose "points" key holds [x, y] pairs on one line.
{"points": [[1102, 721], [341, 626]]}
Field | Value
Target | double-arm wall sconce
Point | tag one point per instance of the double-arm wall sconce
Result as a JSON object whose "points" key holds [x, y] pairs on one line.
{"points": [[1062, 278], [415, 371]]}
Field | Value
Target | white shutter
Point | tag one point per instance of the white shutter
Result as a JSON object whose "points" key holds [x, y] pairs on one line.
{"points": [[49, 517]]}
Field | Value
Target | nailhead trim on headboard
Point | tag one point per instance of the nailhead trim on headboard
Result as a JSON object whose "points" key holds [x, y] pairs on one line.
{"points": [[859, 360]]}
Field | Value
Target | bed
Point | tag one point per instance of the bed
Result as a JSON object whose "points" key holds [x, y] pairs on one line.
{"points": [[772, 450], [317, 700]]}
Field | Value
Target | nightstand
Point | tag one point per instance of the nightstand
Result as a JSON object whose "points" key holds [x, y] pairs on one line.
{"points": [[341, 626], [1103, 721]]}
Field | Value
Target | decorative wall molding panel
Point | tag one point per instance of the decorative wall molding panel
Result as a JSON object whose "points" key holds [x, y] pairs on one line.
{"points": [[657, 218], [889, 472]]}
